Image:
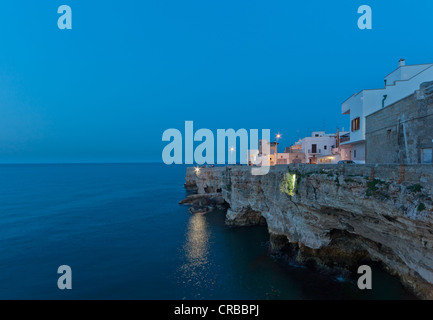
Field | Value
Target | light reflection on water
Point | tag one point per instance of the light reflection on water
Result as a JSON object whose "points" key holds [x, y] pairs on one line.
{"points": [[197, 246], [217, 262], [195, 270]]}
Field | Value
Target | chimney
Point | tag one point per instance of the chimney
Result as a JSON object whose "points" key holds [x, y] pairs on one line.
{"points": [[338, 138], [401, 63]]}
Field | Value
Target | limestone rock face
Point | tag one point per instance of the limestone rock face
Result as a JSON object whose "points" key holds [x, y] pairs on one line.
{"points": [[338, 212], [205, 202]]}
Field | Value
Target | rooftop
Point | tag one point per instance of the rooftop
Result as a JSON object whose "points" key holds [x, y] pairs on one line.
{"points": [[402, 74]]}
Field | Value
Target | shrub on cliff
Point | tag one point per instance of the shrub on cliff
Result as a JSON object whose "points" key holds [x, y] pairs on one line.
{"points": [[288, 184]]}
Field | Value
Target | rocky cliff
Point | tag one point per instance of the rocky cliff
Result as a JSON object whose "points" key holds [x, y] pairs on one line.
{"points": [[335, 213]]}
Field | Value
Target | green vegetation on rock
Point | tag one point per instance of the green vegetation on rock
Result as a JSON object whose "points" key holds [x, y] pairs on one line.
{"points": [[415, 188], [289, 184], [421, 207], [372, 188]]}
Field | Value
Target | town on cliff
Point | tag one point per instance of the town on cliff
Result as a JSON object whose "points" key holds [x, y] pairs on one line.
{"points": [[388, 125], [348, 197]]}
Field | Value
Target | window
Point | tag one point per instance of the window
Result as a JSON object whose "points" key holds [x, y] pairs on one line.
{"points": [[354, 153], [355, 124], [314, 148], [388, 134], [325, 147], [426, 155]]}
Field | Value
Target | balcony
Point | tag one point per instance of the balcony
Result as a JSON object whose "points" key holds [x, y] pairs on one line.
{"points": [[317, 151], [344, 138]]}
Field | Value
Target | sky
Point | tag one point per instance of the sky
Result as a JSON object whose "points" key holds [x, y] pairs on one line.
{"points": [[106, 90]]}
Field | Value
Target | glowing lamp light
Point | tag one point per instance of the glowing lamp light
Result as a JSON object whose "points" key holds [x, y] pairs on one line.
{"points": [[197, 170], [231, 154]]}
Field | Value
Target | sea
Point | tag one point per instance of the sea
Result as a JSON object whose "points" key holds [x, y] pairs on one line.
{"points": [[120, 229]]}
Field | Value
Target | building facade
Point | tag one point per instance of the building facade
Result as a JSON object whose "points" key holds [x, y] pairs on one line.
{"points": [[399, 84], [291, 155], [319, 145], [403, 131], [267, 159], [344, 149]]}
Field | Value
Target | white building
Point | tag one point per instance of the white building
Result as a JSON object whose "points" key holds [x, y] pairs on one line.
{"points": [[399, 84], [319, 145]]}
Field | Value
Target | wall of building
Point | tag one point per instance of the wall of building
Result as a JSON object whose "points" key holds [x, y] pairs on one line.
{"points": [[333, 159], [398, 133], [345, 152], [404, 73], [357, 152], [366, 102], [291, 157], [324, 145]]}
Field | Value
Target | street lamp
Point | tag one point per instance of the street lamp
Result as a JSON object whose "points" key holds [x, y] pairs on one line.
{"points": [[197, 170], [278, 136]]}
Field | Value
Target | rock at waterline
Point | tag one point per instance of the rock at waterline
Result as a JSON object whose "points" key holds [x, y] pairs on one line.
{"points": [[204, 203]]}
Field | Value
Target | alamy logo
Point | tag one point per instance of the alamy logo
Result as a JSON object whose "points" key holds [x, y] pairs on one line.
{"points": [[65, 280], [364, 281], [65, 20], [180, 149], [365, 21]]}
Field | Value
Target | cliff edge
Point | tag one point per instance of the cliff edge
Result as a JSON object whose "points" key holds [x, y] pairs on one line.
{"points": [[336, 213]]}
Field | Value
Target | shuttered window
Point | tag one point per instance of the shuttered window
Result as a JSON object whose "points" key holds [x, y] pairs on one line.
{"points": [[355, 124]]}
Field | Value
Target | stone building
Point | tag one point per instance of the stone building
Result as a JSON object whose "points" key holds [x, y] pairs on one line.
{"points": [[403, 131], [290, 155], [399, 84]]}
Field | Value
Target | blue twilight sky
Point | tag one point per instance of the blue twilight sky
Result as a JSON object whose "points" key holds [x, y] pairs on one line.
{"points": [[107, 89]]}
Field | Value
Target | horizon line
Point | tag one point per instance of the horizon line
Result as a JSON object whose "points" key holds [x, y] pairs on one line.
{"points": [[84, 162]]}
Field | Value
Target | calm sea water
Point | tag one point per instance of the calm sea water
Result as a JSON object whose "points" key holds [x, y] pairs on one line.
{"points": [[121, 230]]}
